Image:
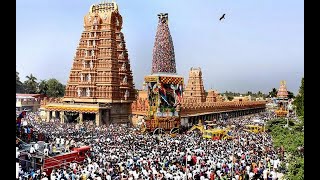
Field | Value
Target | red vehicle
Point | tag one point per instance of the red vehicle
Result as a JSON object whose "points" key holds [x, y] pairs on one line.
{"points": [[53, 162], [76, 155]]}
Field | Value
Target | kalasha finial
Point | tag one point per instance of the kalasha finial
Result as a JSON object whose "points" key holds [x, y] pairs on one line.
{"points": [[163, 17]]}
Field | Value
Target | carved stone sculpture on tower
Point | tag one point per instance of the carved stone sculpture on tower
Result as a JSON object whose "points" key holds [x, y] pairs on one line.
{"points": [[81, 77], [91, 65], [126, 94], [89, 77], [88, 92], [121, 55], [123, 67], [79, 92], [125, 79]]}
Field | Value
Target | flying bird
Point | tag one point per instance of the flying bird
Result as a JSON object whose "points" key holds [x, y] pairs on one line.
{"points": [[222, 17]]}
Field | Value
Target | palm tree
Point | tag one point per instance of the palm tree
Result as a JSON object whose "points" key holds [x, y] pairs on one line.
{"points": [[31, 84], [43, 87], [273, 93]]}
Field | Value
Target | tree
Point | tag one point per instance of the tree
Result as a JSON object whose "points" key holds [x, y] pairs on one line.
{"points": [[259, 94], [299, 100], [19, 85], [273, 93], [290, 95], [230, 98], [290, 138], [55, 88], [43, 87], [31, 84]]}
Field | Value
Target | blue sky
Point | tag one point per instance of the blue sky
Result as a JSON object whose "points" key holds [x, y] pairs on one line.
{"points": [[259, 43]]}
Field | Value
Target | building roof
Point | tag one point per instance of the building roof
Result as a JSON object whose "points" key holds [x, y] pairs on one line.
{"points": [[27, 95]]}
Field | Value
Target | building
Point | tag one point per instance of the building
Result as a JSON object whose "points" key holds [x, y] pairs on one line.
{"points": [[213, 96], [194, 91], [200, 104], [242, 98], [100, 85], [29, 102]]}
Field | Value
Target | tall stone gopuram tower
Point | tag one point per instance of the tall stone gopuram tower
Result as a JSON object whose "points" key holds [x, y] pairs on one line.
{"points": [[194, 91], [100, 75]]}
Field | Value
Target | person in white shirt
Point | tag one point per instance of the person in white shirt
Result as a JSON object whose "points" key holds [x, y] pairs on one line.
{"points": [[218, 165], [32, 150], [62, 141], [265, 174], [275, 164], [248, 169], [44, 178], [57, 141], [189, 175], [36, 146], [273, 175], [108, 177], [53, 176], [46, 151], [251, 174], [189, 159], [17, 154], [201, 177]]}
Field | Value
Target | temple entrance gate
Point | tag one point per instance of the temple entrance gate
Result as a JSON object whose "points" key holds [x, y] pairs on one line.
{"points": [[72, 117], [89, 117]]}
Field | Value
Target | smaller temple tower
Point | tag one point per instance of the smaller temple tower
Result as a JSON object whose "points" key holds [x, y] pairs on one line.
{"points": [[282, 99], [213, 96], [194, 91]]}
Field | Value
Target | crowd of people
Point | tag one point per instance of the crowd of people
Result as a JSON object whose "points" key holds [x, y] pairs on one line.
{"points": [[121, 152]]}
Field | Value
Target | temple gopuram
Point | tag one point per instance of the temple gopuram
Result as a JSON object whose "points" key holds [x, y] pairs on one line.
{"points": [[282, 100], [166, 104], [100, 85]]}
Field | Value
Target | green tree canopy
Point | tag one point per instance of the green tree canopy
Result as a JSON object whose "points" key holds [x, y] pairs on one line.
{"points": [[291, 138], [273, 93], [31, 85], [290, 95], [230, 98], [43, 87], [19, 85], [55, 88], [299, 100]]}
